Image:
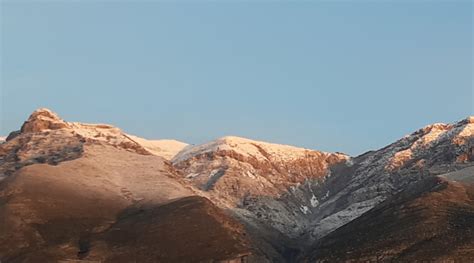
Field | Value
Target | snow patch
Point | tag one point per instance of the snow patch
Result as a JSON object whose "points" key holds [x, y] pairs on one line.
{"points": [[304, 209], [349, 162], [214, 172], [342, 217], [191, 175], [314, 201]]}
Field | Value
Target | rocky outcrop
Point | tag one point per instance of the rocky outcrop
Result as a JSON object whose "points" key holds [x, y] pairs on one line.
{"points": [[42, 124], [46, 138], [40, 120], [43, 119], [12, 135], [51, 147]]}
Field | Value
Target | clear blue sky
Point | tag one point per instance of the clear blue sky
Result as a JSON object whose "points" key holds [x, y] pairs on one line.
{"points": [[346, 76]]}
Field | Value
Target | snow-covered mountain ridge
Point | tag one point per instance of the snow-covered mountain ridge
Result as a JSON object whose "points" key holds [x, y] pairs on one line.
{"points": [[433, 150], [238, 166], [307, 194], [45, 121], [245, 147], [288, 197]]}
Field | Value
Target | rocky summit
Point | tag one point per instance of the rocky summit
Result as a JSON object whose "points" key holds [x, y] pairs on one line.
{"points": [[76, 192]]}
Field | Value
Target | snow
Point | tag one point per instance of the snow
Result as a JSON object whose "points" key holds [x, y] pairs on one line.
{"points": [[98, 132], [359, 193], [463, 175], [434, 133], [45, 114], [342, 217], [399, 158], [44, 119], [191, 175], [349, 162], [314, 201], [304, 209], [213, 172], [458, 133], [2, 139], [115, 136], [468, 129], [416, 146], [245, 147], [164, 148]]}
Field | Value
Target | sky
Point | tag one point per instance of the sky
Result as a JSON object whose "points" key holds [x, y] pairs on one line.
{"points": [[347, 76]]}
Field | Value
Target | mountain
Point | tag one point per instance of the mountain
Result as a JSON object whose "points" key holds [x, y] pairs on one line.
{"points": [[233, 171], [74, 191], [67, 187], [431, 221], [374, 176], [256, 181], [300, 195], [405, 202]]}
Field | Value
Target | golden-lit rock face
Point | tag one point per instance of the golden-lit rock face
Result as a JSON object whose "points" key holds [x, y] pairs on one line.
{"points": [[43, 119], [233, 168]]}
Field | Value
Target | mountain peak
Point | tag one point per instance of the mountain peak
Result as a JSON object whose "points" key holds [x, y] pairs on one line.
{"points": [[245, 147], [43, 119], [44, 113], [436, 126]]}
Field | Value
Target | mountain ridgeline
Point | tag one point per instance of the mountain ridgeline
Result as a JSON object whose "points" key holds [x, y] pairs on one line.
{"points": [[75, 192]]}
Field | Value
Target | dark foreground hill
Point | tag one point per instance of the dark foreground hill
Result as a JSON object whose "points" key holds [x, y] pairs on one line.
{"points": [[190, 229]]}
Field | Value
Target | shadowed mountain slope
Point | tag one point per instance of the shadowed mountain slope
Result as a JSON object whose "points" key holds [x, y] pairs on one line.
{"points": [[189, 229], [430, 221]]}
